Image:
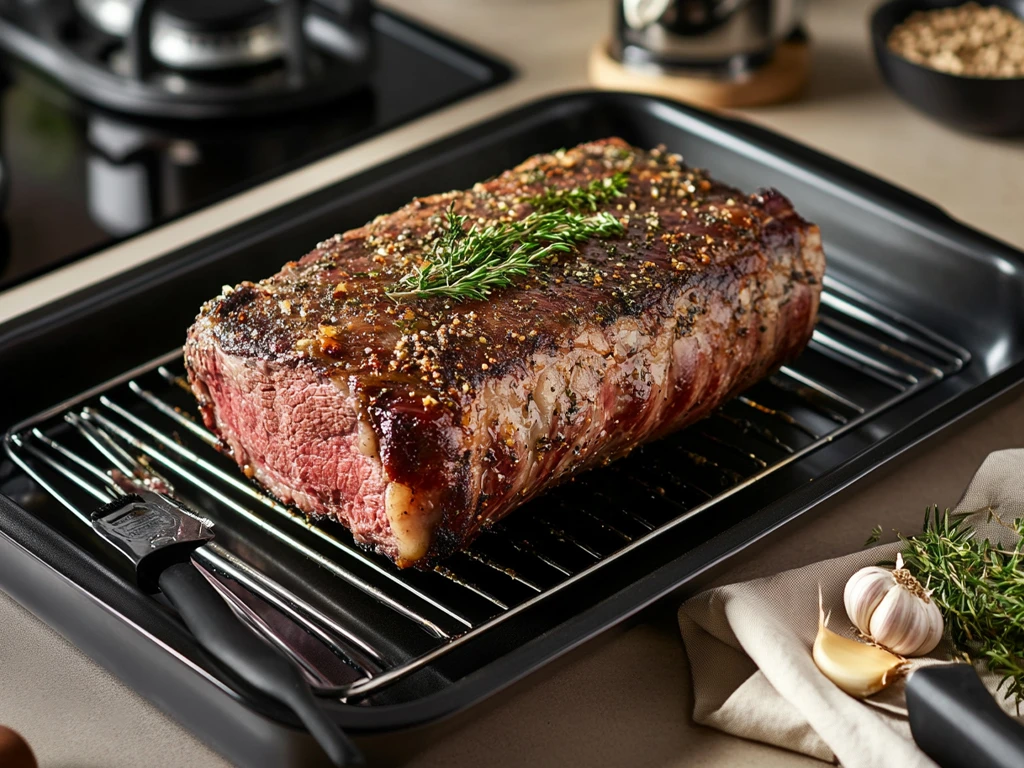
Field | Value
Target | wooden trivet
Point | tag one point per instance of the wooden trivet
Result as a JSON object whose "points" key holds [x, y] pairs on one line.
{"points": [[780, 79]]}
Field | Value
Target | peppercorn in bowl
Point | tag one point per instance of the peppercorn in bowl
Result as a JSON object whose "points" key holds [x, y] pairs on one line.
{"points": [[960, 63]]}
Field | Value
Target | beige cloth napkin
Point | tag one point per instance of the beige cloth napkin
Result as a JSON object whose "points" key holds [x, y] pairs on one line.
{"points": [[749, 648]]}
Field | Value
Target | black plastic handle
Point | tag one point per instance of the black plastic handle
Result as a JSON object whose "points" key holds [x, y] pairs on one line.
{"points": [[221, 633], [958, 724]]}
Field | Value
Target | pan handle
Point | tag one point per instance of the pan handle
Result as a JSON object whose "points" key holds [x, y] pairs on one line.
{"points": [[957, 723], [220, 632]]}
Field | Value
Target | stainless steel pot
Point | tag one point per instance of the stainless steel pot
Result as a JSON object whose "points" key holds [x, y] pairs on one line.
{"points": [[716, 37]]}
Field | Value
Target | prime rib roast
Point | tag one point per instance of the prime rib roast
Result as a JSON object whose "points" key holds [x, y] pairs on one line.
{"points": [[419, 420]]}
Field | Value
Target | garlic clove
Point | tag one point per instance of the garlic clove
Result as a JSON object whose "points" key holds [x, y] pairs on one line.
{"points": [[897, 623], [933, 634], [863, 592], [858, 669]]}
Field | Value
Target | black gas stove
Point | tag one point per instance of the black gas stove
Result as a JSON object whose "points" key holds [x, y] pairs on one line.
{"points": [[118, 115]]}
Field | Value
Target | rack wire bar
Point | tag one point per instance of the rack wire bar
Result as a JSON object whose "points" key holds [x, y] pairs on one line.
{"points": [[133, 426]]}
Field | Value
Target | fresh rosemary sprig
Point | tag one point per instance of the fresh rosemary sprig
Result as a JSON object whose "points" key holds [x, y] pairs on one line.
{"points": [[580, 199], [470, 264], [979, 588]]}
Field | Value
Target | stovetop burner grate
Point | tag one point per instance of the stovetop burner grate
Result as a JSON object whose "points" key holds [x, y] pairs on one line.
{"points": [[181, 59], [862, 360]]}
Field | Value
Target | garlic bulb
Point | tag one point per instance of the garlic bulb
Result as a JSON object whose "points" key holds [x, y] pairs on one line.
{"points": [[892, 609], [856, 668]]}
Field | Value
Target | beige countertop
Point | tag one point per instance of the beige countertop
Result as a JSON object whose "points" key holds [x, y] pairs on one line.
{"points": [[622, 699]]}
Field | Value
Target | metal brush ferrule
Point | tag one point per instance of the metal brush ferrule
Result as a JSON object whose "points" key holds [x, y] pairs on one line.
{"points": [[153, 531]]}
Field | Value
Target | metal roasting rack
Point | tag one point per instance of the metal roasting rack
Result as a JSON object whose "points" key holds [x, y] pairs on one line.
{"points": [[863, 359]]}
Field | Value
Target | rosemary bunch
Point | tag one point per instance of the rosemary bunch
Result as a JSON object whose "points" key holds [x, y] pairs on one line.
{"points": [[469, 264], [979, 588]]}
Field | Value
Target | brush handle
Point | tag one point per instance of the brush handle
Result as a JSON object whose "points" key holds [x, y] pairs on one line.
{"points": [[957, 723], [229, 641]]}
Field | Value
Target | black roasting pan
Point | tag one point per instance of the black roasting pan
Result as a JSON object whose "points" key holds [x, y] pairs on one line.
{"points": [[893, 250]]}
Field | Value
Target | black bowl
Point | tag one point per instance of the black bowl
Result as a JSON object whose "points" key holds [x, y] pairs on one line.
{"points": [[976, 104]]}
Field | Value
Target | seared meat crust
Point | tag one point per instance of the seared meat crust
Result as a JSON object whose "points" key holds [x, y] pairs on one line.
{"points": [[417, 422]]}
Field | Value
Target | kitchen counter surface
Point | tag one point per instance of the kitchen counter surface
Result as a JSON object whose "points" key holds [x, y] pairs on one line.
{"points": [[623, 699]]}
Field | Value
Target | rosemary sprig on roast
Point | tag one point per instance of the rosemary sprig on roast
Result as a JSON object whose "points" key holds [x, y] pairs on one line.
{"points": [[979, 587], [471, 263], [579, 199]]}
